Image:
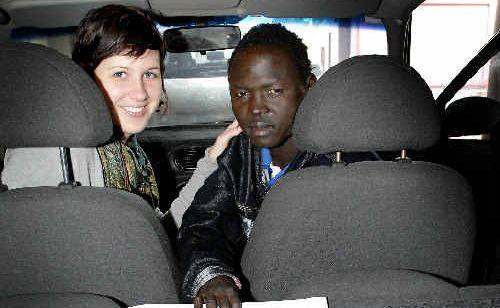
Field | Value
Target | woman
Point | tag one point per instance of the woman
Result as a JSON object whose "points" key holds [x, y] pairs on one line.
{"points": [[122, 50]]}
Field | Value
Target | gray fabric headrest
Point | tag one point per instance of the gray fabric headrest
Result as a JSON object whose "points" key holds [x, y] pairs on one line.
{"points": [[48, 101], [472, 116], [368, 103]]}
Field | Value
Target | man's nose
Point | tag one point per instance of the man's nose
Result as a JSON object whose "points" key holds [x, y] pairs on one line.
{"points": [[258, 104]]}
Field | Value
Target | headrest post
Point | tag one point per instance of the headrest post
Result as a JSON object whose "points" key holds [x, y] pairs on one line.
{"points": [[404, 154], [338, 158], [68, 178], [404, 157]]}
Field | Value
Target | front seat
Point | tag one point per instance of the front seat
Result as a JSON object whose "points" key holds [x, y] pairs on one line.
{"points": [[477, 160], [399, 229], [66, 240]]}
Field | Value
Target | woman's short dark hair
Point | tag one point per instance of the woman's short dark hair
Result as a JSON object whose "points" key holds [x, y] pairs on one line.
{"points": [[278, 36], [115, 30]]}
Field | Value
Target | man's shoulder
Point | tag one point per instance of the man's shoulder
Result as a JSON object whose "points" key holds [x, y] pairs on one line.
{"points": [[309, 159], [240, 141], [238, 150]]}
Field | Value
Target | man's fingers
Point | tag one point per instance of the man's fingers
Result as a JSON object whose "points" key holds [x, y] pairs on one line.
{"points": [[211, 303], [236, 304], [198, 302], [234, 301], [219, 291], [223, 301]]}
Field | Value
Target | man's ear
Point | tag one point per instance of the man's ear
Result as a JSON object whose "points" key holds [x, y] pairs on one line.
{"points": [[311, 80]]}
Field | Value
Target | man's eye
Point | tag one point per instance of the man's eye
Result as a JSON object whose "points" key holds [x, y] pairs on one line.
{"points": [[150, 75], [274, 92], [241, 94]]}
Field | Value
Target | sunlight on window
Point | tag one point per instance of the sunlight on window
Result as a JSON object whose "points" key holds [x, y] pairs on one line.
{"points": [[439, 53], [196, 83]]}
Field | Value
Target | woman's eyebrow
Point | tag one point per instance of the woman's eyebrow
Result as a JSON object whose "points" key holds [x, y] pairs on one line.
{"points": [[118, 66]]}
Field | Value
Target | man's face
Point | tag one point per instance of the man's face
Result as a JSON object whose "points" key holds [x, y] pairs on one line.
{"points": [[265, 93]]}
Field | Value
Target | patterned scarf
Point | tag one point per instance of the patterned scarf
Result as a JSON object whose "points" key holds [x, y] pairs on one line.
{"points": [[126, 167]]}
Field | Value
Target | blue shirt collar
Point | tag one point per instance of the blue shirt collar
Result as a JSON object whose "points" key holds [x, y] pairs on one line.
{"points": [[265, 162]]}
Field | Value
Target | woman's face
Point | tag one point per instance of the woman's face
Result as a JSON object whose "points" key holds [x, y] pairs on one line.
{"points": [[132, 87]]}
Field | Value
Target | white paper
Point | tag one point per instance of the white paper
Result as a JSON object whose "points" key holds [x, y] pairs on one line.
{"points": [[313, 302]]}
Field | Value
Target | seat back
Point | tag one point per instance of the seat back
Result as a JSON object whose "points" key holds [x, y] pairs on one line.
{"points": [[476, 159], [321, 221], [52, 300], [72, 239], [92, 240]]}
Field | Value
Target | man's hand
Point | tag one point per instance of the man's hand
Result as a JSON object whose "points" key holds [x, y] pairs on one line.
{"points": [[220, 291]]}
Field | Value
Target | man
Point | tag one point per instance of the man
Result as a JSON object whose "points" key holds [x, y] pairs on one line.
{"points": [[269, 74]]}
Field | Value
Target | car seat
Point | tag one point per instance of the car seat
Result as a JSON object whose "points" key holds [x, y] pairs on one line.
{"points": [[476, 159], [55, 300], [70, 239], [352, 231]]}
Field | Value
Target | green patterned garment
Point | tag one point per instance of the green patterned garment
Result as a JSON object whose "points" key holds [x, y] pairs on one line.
{"points": [[126, 167]]}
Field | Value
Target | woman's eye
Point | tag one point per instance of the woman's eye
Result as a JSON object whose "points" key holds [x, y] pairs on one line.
{"points": [[119, 74], [150, 75]]}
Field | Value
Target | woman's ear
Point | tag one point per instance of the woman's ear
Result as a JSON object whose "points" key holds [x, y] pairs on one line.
{"points": [[311, 80], [163, 106]]}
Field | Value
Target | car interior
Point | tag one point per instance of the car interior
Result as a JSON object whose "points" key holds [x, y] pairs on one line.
{"points": [[417, 228]]}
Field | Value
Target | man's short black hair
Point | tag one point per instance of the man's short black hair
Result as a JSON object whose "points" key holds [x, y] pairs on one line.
{"points": [[276, 35]]}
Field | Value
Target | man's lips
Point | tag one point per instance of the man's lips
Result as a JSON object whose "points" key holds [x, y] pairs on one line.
{"points": [[259, 129]]}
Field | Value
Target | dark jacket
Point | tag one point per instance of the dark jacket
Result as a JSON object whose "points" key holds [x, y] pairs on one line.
{"points": [[216, 226]]}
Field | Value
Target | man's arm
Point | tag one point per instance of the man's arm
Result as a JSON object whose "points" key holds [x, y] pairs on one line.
{"points": [[204, 168], [210, 241]]}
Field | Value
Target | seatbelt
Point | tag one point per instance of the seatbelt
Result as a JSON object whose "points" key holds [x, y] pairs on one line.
{"points": [[2, 155]]}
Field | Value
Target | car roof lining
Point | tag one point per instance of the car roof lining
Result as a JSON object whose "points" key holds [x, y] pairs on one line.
{"points": [[64, 13]]}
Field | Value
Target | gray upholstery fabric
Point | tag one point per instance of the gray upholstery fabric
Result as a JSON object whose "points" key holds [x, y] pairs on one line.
{"points": [[366, 215], [84, 239], [370, 287], [2, 155], [475, 292], [472, 116], [58, 300], [368, 103], [394, 288], [47, 100], [342, 8]]}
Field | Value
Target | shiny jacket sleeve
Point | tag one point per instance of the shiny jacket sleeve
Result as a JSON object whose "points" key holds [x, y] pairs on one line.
{"points": [[210, 238]]}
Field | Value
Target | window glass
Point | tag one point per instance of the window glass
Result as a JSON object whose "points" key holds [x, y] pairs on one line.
{"points": [[196, 83], [440, 52], [60, 39]]}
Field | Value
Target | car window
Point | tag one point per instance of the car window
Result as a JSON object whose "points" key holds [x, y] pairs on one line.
{"points": [[196, 83], [61, 39], [439, 53]]}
